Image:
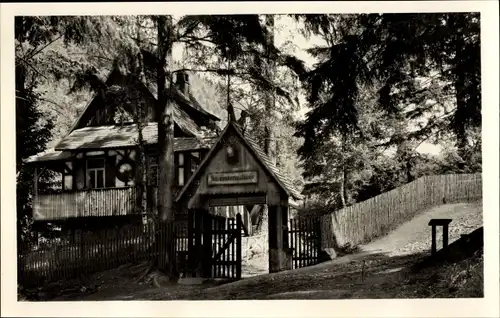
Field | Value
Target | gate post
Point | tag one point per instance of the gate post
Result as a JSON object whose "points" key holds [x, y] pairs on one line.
{"points": [[317, 228], [238, 245], [287, 251], [277, 243], [207, 245], [273, 239]]}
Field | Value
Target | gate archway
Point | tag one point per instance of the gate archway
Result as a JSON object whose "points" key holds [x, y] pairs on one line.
{"points": [[234, 172]]}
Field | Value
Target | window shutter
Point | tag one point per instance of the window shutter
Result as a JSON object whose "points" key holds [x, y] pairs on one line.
{"points": [[110, 167]]}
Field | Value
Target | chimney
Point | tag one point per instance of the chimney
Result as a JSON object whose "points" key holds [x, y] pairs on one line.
{"points": [[183, 82]]}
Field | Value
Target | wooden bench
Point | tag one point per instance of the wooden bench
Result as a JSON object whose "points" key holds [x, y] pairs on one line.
{"points": [[439, 222]]}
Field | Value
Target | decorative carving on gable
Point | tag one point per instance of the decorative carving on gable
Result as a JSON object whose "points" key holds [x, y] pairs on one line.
{"points": [[232, 149]]}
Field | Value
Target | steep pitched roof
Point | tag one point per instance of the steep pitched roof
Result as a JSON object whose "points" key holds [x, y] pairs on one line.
{"points": [[180, 100], [117, 136], [282, 180], [279, 176], [185, 123], [180, 97], [49, 155]]}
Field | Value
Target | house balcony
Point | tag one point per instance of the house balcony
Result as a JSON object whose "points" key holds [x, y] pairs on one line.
{"points": [[120, 201]]}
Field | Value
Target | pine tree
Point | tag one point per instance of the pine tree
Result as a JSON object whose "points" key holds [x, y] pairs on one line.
{"points": [[39, 60], [394, 50]]}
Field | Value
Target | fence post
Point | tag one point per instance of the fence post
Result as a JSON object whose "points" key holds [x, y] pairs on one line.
{"points": [[238, 246], [318, 239], [82, 253]]}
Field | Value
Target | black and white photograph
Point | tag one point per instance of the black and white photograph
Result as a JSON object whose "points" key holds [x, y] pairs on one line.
{"points": [[250, 156]]}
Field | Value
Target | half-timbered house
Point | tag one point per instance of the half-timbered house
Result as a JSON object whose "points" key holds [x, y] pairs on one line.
{"points": [[97, 158]]}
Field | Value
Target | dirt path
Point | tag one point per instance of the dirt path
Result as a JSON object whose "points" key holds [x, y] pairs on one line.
{"points": [[415, 235]]}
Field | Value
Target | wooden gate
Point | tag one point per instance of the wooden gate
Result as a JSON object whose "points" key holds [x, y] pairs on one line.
{"points": [[226, 247], [305, 241], [214, 244]]}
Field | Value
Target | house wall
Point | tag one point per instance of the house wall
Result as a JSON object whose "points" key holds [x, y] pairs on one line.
{"points": [[112, 160]]}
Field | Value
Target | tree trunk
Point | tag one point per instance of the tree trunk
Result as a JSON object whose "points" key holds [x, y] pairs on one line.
{"points": [[140, 118], [142, 172], [20, 77], [460, 92], [409, 166], [142, 165], [270, 140], [166, 153], [269, 134], [343, 187]]}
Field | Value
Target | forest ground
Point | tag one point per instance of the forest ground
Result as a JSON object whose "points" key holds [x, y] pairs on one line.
{"points": [[381, 270]]}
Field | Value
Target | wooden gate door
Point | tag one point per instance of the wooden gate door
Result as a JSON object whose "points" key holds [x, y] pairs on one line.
{"points": [[226, 247], [305, 241]]}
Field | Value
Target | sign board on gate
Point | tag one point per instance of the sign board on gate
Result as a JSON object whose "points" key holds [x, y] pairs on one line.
{"points": [[227, 178]]}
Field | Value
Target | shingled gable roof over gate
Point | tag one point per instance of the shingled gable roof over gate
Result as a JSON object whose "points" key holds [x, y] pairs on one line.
{"points": [[282, 180]]}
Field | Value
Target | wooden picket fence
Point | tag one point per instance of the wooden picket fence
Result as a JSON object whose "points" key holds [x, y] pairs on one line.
{"points": [[374, 217], [77, 254]]}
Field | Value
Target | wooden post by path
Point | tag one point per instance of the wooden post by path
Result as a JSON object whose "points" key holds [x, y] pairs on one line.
{"points": [[445, 235], [439, 222], [433, 244]]}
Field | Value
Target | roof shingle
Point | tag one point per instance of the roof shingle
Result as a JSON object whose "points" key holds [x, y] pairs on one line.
{"points": [[190, 100], [49, 155], [117, 136], [284, 179]]}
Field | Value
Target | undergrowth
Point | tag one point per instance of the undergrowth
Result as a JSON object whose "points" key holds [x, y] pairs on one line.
{"points": [[464, 279]]}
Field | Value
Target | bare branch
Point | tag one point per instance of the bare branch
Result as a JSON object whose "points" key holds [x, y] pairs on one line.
{"points": [[191, 39], [143, 41], [32, 67], [189, 30], [43, 47]]}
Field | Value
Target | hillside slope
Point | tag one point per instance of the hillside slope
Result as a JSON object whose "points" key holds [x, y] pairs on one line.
{"points": [[415, 235]]}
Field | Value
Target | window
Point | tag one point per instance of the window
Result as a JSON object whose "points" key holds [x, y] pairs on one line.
{"points": [[95, 173], [180, 169], [195, 161], [68, 176], [153, 171]]}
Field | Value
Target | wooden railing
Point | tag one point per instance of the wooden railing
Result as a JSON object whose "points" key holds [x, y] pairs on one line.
{"points": [[97, 202]]}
